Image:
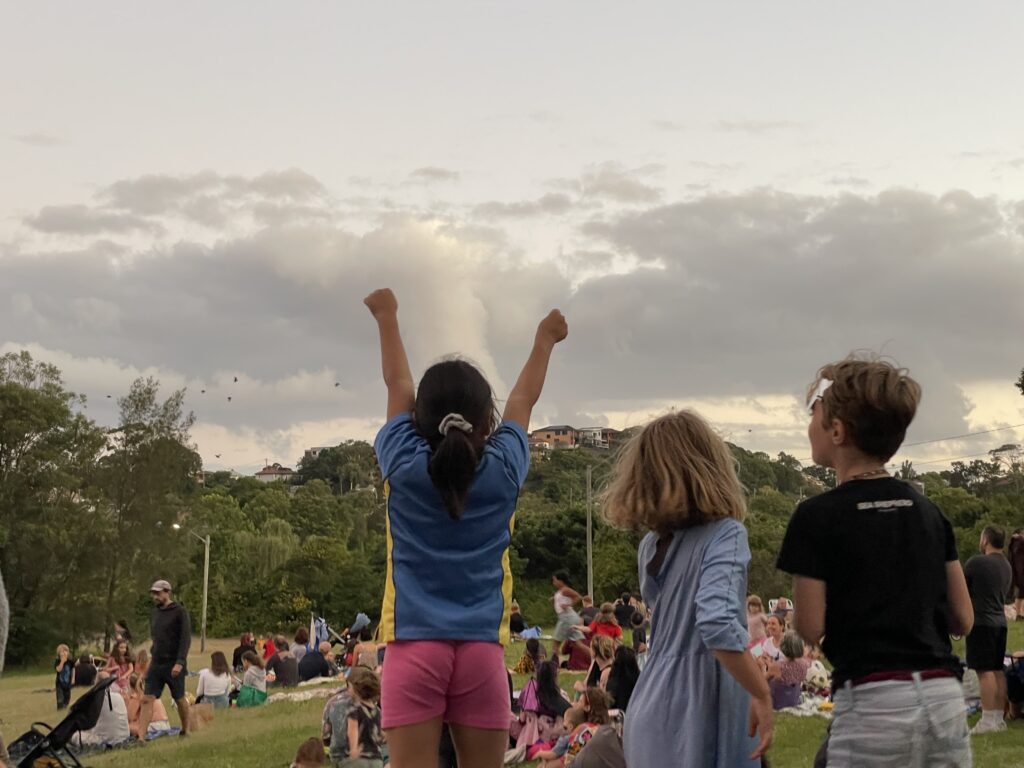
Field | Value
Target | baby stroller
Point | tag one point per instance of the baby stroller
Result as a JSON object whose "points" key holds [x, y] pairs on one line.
{"points": [[50, 747]]}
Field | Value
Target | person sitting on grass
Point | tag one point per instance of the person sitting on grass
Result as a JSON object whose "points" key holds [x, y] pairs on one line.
{"points": [[283, 667], [301, 645], [310, 754], [594, 706], [112, 726], [85, 671], [516, 622], [573, 720], [254, 681], [531, 659], [246, 642], [603, 648], [605, 623], [786, 676], [364, 733], [365, 652], [319, 664], [133, 705], [622, 677], [215, 682]]}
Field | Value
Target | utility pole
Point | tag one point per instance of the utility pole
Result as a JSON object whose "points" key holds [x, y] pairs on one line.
{"points": [[206, 590], [590, 533]]}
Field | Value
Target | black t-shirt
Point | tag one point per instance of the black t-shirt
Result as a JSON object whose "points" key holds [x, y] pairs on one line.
{"points": [[881, 548], [516, 623], [623, 613], [313, 664], [285, 669], [989, 580], [85, 674], [589, 613]]}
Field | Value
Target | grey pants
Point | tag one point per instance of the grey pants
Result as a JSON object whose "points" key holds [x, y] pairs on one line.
{"points": [[895, 724]]}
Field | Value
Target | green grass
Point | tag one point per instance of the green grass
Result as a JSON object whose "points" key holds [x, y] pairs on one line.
{"points": [[269, 735]]}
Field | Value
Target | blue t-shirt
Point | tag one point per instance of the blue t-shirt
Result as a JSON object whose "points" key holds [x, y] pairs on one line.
{"points": [[448, 579]]}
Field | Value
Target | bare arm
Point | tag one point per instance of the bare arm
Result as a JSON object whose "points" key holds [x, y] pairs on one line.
{"points": [[809, 594], [961, 612], [745, 669], [353, 738], [394, 362], [526, 392]]}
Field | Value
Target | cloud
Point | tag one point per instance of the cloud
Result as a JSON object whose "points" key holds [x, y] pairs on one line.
{"points": [[848, 181], [84, 220], [668, 125], [612, 181], [432, 174], [709, 302], [753, 127], [207, 197], [717, 167], [39, 139], [553, 203]]}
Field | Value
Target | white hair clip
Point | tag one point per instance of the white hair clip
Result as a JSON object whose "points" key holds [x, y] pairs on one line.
{"points": [[454, 421], [819, 394]]}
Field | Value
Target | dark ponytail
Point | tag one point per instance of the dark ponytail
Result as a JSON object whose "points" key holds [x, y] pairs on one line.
{"points": [[456, 389], [452, 468]]}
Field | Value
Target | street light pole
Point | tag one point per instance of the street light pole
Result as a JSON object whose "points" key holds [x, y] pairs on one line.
{"points": [[206, 590], [206, 580], [590, 533]]}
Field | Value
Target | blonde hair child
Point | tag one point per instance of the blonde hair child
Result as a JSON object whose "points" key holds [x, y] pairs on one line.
{"points": [[677, 481]]}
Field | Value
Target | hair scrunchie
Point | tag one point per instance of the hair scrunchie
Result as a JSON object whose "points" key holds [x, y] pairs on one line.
{"points": [[454, 421]]}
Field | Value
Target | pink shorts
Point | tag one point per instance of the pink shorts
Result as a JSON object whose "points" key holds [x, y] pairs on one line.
{"points": [[463, 681]]}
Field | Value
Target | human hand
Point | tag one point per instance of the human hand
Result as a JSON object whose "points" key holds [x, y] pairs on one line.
{"points": [[579, 687], [553, 328], [762, 722], [381, 302], [176, 670]]}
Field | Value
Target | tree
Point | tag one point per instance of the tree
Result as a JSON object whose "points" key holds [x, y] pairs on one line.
{"points": [[51, 523], [315, 512], [147, 475], [906, 471], [347, 467], [1020, 381]]}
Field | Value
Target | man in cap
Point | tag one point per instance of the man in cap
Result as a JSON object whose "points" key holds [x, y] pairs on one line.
{"points": [[171, 631]]}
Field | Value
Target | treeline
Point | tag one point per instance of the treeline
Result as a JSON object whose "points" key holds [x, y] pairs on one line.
{"points": [[86, 516]]}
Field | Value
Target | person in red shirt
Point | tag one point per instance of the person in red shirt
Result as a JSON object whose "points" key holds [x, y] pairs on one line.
{"points": [[270, 648], [605, 624]]}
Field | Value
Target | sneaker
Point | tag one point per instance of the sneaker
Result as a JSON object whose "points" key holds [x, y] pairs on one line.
{"points": [[983, 727]]}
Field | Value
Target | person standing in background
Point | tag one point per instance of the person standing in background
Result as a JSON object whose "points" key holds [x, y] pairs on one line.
{"points": [[1016, 557], [990, 583], [65, 676], [171, 631]]}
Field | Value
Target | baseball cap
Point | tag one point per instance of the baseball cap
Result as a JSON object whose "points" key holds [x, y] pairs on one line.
{"points": [[160, 586]]}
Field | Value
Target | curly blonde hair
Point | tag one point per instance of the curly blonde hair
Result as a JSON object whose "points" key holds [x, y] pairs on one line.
{"points": [[676, 473]]}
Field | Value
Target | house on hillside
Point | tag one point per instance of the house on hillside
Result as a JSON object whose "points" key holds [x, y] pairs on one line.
{"points": [[558, 436], [312, 453], [598, 437], [274, 472]]}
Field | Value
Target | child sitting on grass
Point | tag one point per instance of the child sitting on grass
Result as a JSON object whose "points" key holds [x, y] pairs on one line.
{"points": [[364, 734], [574, 720], [531, 659], [594, 706], [310, 754]]}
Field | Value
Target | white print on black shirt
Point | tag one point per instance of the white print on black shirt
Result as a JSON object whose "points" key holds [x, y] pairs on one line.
{"points": [[885, 504]]}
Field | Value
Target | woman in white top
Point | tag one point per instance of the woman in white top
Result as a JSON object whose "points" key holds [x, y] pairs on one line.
{"points": [[215, 682], [569, 626]]}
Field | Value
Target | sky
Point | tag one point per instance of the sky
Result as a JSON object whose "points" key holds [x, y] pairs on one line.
{"points": [[720, 197]]}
